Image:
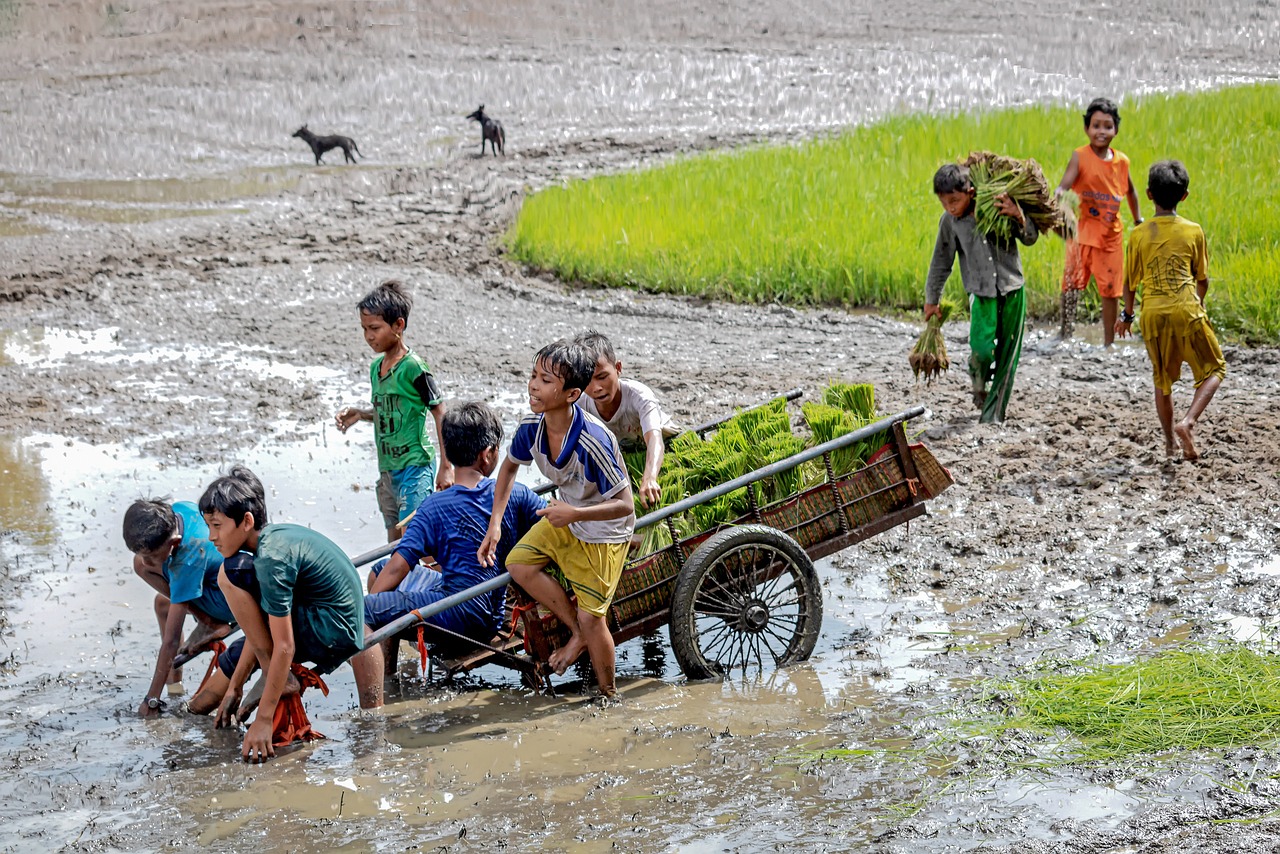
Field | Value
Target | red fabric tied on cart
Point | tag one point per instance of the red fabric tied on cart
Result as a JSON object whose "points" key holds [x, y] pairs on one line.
{"points": [[217, 648], [291, 723]]}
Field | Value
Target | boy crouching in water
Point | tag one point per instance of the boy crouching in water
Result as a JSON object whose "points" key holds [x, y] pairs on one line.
{"points": [[1167, 255], [586, 531]]}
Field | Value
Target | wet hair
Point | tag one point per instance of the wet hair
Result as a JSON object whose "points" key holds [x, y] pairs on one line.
{"points": [[234, 494], [1102, 105], [570, 361], [389, 300], [468, 431], [951, 178], [599, 345], [1168, 182], [149, 523]]}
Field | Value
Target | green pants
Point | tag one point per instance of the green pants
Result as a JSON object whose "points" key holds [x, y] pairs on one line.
{"points": [[995, 343]]}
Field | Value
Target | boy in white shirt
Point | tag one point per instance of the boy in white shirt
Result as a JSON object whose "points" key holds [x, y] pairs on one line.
{"points": [[629, 409]]}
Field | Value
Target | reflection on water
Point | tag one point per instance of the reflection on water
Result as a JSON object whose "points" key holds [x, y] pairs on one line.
{"points": [[24, 500]]}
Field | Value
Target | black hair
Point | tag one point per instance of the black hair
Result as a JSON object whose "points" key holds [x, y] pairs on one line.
{"points": [[951, 178], [1102, 105], [234, 494], [1168, 182], [571, 362], [469, 430], [389, 300], [149, 523], [599, 345]]}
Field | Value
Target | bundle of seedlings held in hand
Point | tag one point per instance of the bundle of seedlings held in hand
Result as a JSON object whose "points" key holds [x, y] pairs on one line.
{"points": [[929, 355], [995, 174]]}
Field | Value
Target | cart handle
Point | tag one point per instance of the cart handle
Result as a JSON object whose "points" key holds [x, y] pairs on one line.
{"points": [[420, 615]]}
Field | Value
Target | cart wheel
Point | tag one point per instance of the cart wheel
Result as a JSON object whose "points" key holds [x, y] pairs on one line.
{"points": [[747, 598]]}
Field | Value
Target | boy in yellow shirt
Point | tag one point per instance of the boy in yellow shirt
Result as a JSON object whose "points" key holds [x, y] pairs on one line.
{"points": [[1168, 256]]}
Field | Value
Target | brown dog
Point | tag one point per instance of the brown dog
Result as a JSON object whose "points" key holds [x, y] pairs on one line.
{"points": [[321, 144]]}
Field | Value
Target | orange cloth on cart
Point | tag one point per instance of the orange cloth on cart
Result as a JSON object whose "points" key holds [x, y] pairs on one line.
{"points": [[291, 723]]}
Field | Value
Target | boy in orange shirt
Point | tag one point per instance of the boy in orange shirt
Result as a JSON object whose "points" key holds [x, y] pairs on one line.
{"points": [[1099, 175]]}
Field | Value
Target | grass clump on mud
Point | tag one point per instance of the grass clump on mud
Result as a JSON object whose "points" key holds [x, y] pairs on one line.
{"points": [[851, 219]]}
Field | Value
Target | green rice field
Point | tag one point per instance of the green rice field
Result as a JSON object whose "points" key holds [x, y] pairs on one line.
{"points": [[851, 219]]}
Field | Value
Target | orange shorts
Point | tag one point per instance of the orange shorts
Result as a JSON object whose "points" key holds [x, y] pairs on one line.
{"points": [[1105, 266]]}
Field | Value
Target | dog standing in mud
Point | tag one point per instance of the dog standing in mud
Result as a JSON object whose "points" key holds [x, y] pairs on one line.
{"points": [[321, 144], [490, 131]]}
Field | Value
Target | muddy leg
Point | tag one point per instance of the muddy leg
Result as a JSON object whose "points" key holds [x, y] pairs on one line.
{"points": [[548, 591], [599, 641], [369, 671], [1110, 307], [1164, 409], [1070, 303], [1182, 431]]}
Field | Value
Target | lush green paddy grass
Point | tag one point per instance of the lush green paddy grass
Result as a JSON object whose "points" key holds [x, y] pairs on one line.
{"points": [[851, 220]]}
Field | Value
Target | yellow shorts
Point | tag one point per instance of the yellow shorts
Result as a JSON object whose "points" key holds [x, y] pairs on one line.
{"points": [[1174, 337], [1106, 266], [592, 569]]}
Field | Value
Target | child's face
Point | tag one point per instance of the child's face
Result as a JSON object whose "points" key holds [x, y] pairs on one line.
{"points": [[606, 382], [380, 335], [547, 391], [1102, 129], [957, 202], [154, 559], [228, 537]]}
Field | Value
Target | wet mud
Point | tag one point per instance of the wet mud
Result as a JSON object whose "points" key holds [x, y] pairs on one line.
{"points": [[177, 291]]}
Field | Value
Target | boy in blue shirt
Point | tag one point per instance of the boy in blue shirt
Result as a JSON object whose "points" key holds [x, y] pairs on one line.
{"points": [[585, 532], [403, 391], [172, 553], [450, 526]]}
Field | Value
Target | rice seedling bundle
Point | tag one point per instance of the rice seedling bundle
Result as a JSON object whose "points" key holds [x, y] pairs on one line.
{"points": [[1069, 204], [1023, 180], [929, 355]]}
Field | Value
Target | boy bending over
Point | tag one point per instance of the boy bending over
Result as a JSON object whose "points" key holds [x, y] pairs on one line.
{"points": [[587, 530], [1168, 256], [295, 594], [450, 526], [630, 409], [172, 553]]}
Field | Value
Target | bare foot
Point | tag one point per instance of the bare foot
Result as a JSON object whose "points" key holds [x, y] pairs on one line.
{"points": [[1183, 432], [254, 697], [1170, 447], [201, 638], [564, 657], [979, 398], [175, 675]]}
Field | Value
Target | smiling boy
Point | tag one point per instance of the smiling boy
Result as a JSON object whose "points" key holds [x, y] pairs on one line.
{"points": [[1099, 175], [585, 532]]}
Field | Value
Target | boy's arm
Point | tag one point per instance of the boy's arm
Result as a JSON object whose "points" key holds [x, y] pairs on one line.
{"points": [[444, 473], [169, 641], [944, 258], [1027, 231], [349, 415], [257, 741], [392, 574], [559, 513], [1069, 177], [487, 554], [1202, 289], [650, 492], [1132, 276], [1134, 207]]}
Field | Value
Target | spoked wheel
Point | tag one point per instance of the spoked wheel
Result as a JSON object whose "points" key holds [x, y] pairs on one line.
{"points": [[748, 598]]}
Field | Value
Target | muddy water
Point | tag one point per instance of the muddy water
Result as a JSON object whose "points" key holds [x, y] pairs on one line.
{"points": [[178, 282]]}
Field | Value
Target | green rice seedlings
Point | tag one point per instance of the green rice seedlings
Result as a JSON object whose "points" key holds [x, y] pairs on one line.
{"points": [[1069, 204], [994, 175], [860, 398], [929, 355]]}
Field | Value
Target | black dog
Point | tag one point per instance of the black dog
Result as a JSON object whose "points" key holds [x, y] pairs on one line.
{"points": [[321, 144], [490, 131]]}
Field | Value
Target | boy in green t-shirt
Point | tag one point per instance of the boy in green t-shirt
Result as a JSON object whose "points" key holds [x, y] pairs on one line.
{"points": [[403, 391]]}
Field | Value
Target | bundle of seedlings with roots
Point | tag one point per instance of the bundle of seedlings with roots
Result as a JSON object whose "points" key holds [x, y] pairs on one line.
{"points": [[929, 355], [1023, 180]]}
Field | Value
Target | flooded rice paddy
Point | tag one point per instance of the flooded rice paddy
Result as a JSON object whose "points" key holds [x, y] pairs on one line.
{"points": [[177, 290]]}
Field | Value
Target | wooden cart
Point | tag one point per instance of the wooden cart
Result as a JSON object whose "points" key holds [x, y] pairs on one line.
{"points": [[742, 596]]}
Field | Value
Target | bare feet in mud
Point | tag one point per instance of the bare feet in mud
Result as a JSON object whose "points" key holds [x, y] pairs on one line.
{"points": [[202, 637], [1183, 432], [254, 697], [564, 657]]}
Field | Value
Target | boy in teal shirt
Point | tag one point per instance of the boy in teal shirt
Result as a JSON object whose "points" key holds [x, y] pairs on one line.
{"points": [[403, 391]]}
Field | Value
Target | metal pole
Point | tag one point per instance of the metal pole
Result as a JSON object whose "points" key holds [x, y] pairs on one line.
{"points": [[410, 620]]}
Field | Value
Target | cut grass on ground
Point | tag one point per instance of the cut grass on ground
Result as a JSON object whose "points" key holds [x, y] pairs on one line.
{"points": [[851, 220]]}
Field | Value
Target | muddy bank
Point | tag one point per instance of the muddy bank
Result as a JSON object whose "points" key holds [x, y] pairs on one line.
{"points": [[177, 290]]}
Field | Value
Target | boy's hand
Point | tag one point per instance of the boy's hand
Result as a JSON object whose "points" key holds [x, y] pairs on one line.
{"points": [[931, 309], [1123, 329], [226, 716], [145, 710], [559, 513], [347, 416], [257, 741], [487, 554], [1007, 206], [650, 492], [444, 477]]}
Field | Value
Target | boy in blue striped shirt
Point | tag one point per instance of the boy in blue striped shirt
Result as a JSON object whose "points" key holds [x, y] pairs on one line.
{"points": [[587, 530]]}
